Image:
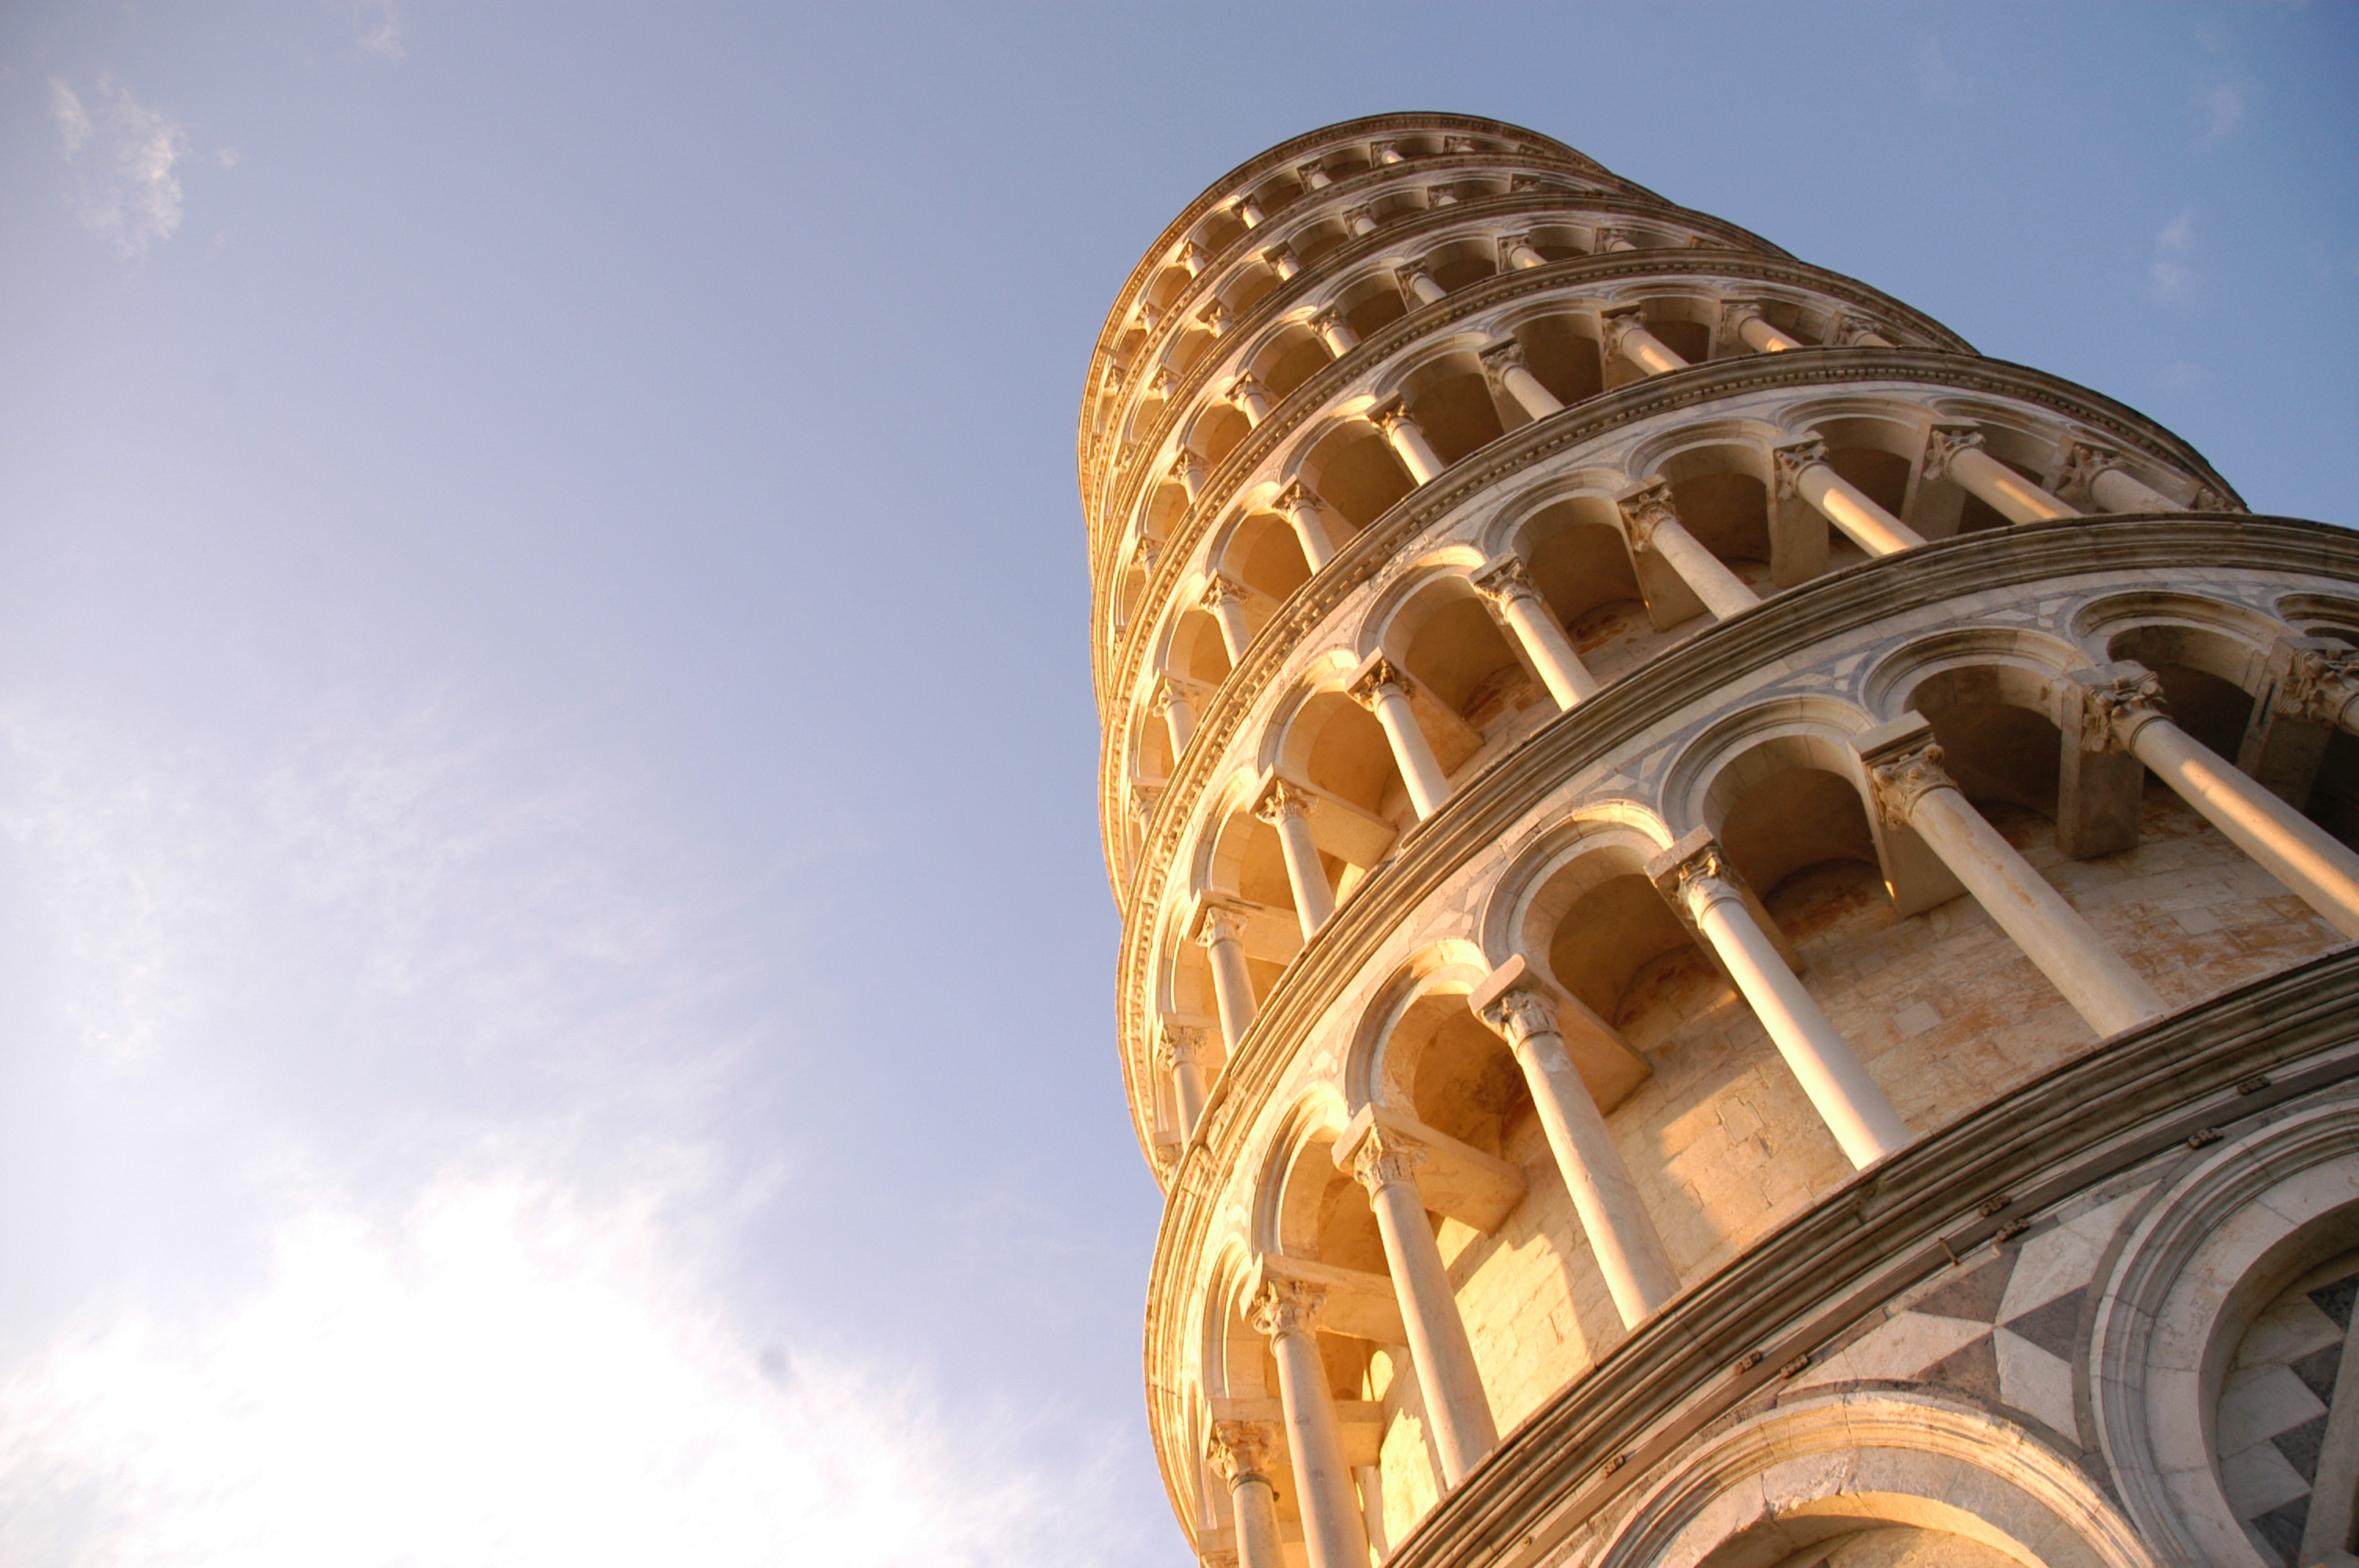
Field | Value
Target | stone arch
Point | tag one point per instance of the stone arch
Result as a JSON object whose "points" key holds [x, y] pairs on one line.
{"points": [[1723, 483], [1819, 1466], [1444, 390], [1259, 550], [1875, 443], [1992, 695], [1288, 355], [1440, 630], [1559, 346], [1298, 1209], [1323, 738], [1351, 468], [2321, 616], [2212, 655], [1452, 967]]}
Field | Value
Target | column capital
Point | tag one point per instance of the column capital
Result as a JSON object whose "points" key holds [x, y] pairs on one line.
{"points": [[1392, 413], [1734, 313], [1509, 244], [1180, 1045], [1385, 1157], [1699, 879], [1161, 380], [1615, 324], [1501, 357], [1218, 589], [1509, 579], [1312, 176], [2114, 707], [1280, 258], [1459, 145], [1241, 1450], [1354, 216], [1215, 316], [1898, 782], [2084, 461], [1522, 182], [1381, 673], [1189, 470], [1112, 379], [1194, 257], [2210, 498], [1246, 210], [1607, 234], [1790, 460], [1325, 317], [1217, 923], [1151, 313], [1385, 150], [1517, 1015], [1645, 509], [1849, 330], [1442, 195], [1244, 387], [2320, 685], [1296, 498], [1943, 445], [1281, 798], [1286, 1306], [1407, 276], [1149, 552]]}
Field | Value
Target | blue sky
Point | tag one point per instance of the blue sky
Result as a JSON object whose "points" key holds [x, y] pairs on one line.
{"points": [[555, 979]]}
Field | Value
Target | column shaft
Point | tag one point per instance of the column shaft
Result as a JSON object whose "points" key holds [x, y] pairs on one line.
{"points": [[1645, 350], [1876, 531], [1722, 591], [1228, 608], [1760, 335], [2010, 495], [1463, 1429], [1854, 1108], [2095, 979], [1314, 901], [1187, 1089], [1420, 771], [1521, 254], [1545, 643], [1254, 1507], [1179, 718], [2119, 491], [1302, 510], [1526, 389], [1337, 333], [2295, 850], [1331, 1515], [1232, 985], [1409, 443]]}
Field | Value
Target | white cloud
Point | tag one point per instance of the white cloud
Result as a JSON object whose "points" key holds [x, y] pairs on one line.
{"points": [[126, 189], [378, 24], [501, 1375], [2170, 275], [2219, 108]]}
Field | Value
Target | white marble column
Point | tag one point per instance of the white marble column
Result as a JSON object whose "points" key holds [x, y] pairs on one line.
{"points": [[1179, 716], [2124, 713], [1418, 285], [2320, 686], [1248, 211], [1847, 1100], [1189, 470], [1287, 1310], [1233, 995], [1955, 452], [1509, 588], [1638, 1272], [1183, 1059], [1855, 332], [1282, 261], [1743, 320], [1623, 332], [1503, 363], [1359, 220], [1913, 791], [1803, 471], [1309, 520], [1285, 807], [1409, 442], [1652, 522], [1226, 601], [1384, 691], [1240, 1454], [1516, 252], [1195, 258], [2098, 474], [1385, 153], [1463, 1429], [1216, 317], [1250, 399], [1313, 177], [1335, 331], [1610, 239]]}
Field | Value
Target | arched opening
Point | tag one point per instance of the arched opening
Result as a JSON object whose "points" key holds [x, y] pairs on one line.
{"points": [[2203, 676], [1197, 656], [1448, 641], [1370, 304], [1576, 555], [1218, 431], [1292, 356], [1450, 402], [1462, 262], [1266, 555], [1355, 475], [1728, 512], [1998, 741], [1563, 356], [1334, 744]]}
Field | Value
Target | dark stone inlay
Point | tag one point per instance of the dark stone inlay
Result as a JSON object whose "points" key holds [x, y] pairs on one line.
{"points": [[1973, 1296], [1972, 1367], [2054, 1326], [2336, 1300], [2300, 1446], [2318, 1369], [2282, 1526]]}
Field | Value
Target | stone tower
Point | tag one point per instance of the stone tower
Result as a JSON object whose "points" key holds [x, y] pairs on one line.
{"points": [[1734, 918]]}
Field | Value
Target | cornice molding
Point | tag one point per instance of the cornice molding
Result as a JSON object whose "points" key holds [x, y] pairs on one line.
{"points": [[1480, 813], [1367, 553]]}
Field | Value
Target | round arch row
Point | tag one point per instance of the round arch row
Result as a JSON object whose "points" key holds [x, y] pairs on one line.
{"points": [[1501, 1062]]}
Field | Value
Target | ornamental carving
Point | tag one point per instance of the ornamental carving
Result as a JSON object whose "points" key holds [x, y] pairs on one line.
{"points": [[1508, 580], [1903, 780], [1369, 689], [1517, 1015], [1286, 1306], [1279, 800], [1385, 1157], [1647, 509], [2082, 464], [1791, 459], [1181, 1046], [1241, 1450], [1703, 879], [1942, 447], [2319, 686], [2110, 714], [1501, 357], [1615, 327]]}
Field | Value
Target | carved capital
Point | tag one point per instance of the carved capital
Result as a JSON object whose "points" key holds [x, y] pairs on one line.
{"points": [[1943, 445], [1241, 1450], [1703, 879], [1459, 145], [1329, 317], [1645, 509], [1282, 260], [1242, 390], [1614, 326], [1354, 217], [2083, 464], [1150, 554], [1735, 313], [1286, 1306], [1900, 782], [1385, 151], [1189, 470], [1113, 381], [1441, 196], [1407, 276], [1523, 182], [1312, 174], [1509, 244], [1160, 382], [1180, 1046], [1851, 329], [1385, 1157], [2209, 498], [1609, 235], [2113, 712], [1215, 316], [1216, 923], [1246, 210], [1501, 357], [1507, 580], [1297, 499], [1792, 460], [1280, 799], [1372, 683], [1517, 1015], [2319, 685], [1150, 315], [1218, 591], [1194, 257], [1391, 416]]}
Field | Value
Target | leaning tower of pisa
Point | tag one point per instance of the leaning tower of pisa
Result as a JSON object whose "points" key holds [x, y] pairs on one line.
{"points": [[1736, 918]]}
